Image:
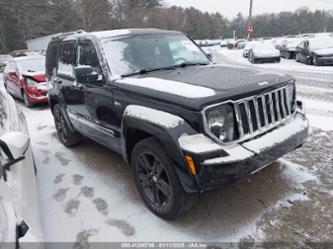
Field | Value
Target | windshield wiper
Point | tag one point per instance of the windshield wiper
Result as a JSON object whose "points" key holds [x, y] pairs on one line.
{"points": [[186, 64], [148, 70]]}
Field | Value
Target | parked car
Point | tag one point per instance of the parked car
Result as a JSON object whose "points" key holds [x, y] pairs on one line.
{"points": [[247, 49], [184, 125], [318, 51], [19, 211], [240, 44], [4, 58], [24, 52], [264, 52], [288, 47], [24, 78]]}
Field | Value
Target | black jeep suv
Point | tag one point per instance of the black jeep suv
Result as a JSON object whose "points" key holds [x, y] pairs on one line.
{"points": [[184, 125]]}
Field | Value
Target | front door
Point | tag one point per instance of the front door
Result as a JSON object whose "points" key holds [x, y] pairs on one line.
{"points": [[64, 77], [95, 114]]}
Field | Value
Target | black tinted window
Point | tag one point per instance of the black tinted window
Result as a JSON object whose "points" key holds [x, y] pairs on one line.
{"points": [[67, 59], [88, 56], [52, 58]]}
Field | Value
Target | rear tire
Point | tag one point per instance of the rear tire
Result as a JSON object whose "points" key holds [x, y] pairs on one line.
{"points": [[66, 136], [157, 182], [288, 56], [27, 101], [297, 58]]}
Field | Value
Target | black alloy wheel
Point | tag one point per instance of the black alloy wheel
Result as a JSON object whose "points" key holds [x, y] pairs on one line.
{"points": [[154, 179], [157, 182], [66, 136]]}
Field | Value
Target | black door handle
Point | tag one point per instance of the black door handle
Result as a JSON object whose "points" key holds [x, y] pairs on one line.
{"points": [[77, 86]]}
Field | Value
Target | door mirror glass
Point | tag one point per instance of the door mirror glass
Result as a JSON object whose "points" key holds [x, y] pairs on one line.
{"points": [[87, 75], [12, 149], [7, 159]]}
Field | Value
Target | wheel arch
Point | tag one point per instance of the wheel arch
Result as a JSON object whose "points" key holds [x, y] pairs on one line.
{"points": [[135, 128]]}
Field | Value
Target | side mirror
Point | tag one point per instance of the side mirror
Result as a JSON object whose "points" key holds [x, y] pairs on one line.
{"points": [[86, 75], [12, 149]]}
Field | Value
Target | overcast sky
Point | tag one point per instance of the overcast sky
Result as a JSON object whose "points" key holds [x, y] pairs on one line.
{"points": [[230, 8]]}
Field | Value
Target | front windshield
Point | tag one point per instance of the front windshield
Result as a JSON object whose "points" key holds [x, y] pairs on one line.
{"points": [[131, 54], [33, 64], [320, 44]]}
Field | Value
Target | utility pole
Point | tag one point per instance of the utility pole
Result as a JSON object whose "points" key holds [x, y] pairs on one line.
{"points": [[250, 26]]}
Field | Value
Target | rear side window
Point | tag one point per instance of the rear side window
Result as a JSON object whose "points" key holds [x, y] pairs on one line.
{"points": [[67, 59], [52, 58]]}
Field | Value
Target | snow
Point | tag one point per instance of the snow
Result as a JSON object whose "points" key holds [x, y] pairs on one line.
{"points": [[238, 60], [173, 87], [153, 116], [297, 173], [198, 144], [110, 33], [321, 122], [236, 153]]}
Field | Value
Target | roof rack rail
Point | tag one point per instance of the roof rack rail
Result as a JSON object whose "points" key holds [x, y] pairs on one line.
{"points": [[63, 35]]}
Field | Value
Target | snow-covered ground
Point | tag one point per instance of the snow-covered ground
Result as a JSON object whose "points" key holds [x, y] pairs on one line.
{"points": [[87, 192]]}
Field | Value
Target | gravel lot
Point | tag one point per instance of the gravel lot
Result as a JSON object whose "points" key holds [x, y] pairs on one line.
{"points": [[87, 193]]}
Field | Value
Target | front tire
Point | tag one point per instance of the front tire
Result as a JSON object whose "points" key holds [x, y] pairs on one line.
{"points": [[315, 61], [66, 136], [157, 182], [27, 101]]}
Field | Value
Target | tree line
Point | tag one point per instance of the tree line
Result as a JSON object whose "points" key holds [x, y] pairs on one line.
{"points": [[21, 20]]}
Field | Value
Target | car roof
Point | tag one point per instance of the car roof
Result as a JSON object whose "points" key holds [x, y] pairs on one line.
{"points": [[112, 33]]}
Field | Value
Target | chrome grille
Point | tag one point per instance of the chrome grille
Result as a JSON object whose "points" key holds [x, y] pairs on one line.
{"points": [[259, 113]]}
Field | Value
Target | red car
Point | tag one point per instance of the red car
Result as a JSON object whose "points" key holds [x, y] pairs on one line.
{"points": [[24, 77]]}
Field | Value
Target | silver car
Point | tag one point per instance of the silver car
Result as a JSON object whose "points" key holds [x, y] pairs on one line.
{"points": [[19, 212]]}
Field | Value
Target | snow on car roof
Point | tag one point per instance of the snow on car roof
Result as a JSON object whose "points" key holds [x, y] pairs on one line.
{"points": [[122, 32], [26, 58]]}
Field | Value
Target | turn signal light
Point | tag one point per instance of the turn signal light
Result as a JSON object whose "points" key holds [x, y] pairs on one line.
{"points": [[191, 165]]}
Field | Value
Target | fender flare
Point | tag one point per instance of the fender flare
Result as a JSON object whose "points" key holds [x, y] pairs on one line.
{"points": [[167, 128]]}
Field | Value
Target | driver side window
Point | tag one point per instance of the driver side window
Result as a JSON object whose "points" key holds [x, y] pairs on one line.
{"points": [[88, 57]]}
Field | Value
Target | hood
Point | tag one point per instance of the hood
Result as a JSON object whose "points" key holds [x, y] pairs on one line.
{"points": [[196, 87], [37, 76], [324, 51]]}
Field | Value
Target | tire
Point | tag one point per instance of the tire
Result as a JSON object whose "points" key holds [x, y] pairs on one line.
{"points": [[315, 61], [157, 182], [297, 58], [288, 56], [278, 60], [27, 101], [66, 136], [253, 60]]}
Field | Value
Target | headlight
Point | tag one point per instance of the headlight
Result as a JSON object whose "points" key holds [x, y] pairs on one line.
{"points": [[31, 82], [221, 123]]}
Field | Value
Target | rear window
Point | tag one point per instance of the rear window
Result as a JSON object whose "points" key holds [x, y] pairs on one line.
{"points": [[52, 58]]}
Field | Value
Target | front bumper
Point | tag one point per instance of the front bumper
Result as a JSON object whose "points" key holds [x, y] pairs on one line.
{"points": [[42, 97], [219, 165]]}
